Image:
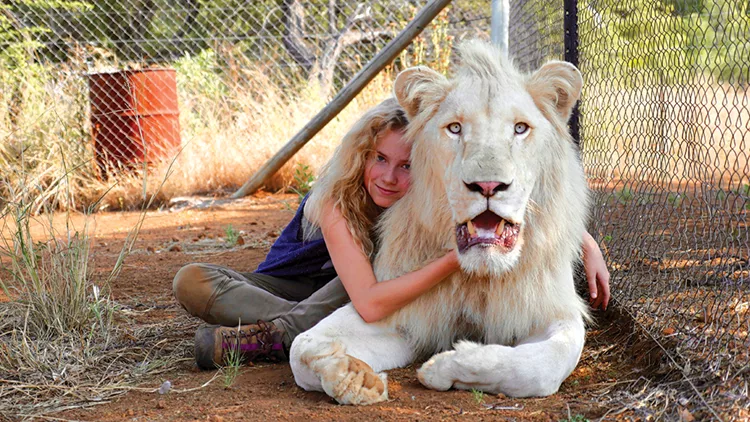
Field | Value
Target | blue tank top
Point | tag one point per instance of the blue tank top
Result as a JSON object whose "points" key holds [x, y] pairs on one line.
{"points": [[292, 256]]}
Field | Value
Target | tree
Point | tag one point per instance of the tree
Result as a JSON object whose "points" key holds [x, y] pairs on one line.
{"points": [[341, 33]]}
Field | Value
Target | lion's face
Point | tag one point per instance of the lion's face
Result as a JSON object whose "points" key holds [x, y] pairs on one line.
{"points": [[494, 136]]}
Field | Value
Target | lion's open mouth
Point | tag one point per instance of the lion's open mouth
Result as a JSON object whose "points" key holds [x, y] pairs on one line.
{"points": [[487, 230]]}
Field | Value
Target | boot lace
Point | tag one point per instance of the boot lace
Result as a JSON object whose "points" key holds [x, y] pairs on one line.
{"points": [[264, 345]]}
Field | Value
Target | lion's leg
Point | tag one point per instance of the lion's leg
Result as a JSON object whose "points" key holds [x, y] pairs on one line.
{"points": [[535, 367], [343, 356]]}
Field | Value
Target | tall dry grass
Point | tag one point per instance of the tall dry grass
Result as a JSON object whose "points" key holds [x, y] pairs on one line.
{"points": [[64, 342], [43, 132], [226, 140], [228, 130]]}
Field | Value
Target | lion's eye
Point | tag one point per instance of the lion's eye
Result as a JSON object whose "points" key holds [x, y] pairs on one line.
{"points": [[521, 128], [454, 128]]}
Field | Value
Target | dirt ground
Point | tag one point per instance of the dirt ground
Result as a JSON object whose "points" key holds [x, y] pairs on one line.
{"points": [[195, 231]]}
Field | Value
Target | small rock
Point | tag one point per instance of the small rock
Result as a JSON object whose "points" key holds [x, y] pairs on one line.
{"points": [[150, 249], [685, 415], [130, 412], [161, 404], [175, 248], [668, 331], [216, 418], [175, 239], [253, 223], [240, 241], [165, 387], [195, 239]]}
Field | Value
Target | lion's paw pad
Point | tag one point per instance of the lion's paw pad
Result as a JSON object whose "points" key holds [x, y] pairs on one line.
{"points": [[358, 385]]}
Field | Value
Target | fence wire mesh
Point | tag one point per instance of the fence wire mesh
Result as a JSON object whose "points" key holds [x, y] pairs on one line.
{"points": [[665, 139], [665, 118], [535, 32], [115, 83]]}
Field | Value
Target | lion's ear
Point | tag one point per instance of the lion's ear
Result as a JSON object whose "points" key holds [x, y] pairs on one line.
{"points": [[418, 86], [557, 84]]}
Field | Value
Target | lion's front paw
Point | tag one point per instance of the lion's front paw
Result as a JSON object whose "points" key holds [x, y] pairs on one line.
{"points": [[352, 381], [434, 373]]}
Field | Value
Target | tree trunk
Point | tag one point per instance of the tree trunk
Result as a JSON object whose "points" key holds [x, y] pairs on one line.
{"points": [[294, 31]]}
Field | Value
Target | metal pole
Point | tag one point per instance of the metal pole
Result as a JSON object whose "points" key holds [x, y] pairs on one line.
{"points": [[570, 23], [360, 80], [500, 23]]}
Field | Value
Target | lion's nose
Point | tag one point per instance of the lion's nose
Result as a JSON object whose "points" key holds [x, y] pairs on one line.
{"points": [[488, 189]]}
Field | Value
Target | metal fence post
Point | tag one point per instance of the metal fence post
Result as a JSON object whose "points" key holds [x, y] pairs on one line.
{"points": [[570, 24], [500, 24]]}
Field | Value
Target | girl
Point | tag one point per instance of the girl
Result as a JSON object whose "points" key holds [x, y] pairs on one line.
{"points": [[322, 259]]}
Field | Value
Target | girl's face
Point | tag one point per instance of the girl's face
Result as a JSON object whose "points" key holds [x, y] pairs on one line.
{"points": [[387, 170]]}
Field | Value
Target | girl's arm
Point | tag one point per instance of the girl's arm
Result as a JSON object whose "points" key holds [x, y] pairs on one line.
{"points": [[596, 271], [373, 300]]}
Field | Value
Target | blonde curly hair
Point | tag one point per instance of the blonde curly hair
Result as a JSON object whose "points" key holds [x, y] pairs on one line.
{"points": [[341, 180]]}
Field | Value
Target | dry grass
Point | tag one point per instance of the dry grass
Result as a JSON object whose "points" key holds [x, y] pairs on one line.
{"points": [[223, 153], [63, 341], [230, 126], [46, 375]]}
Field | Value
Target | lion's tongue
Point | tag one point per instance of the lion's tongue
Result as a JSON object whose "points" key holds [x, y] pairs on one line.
{"points": [[486, 225], [487, 221], [486, 229], [489, 225]]}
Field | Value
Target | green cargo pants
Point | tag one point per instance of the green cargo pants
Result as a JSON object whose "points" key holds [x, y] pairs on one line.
{"points": [[222, 296]]}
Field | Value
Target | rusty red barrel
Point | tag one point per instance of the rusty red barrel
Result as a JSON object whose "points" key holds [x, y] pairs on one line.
{"points": [[134, 116]]}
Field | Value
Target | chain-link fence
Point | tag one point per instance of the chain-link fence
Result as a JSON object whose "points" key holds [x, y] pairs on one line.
{"points": [[97, 86], [665, 139], [87, 86]]}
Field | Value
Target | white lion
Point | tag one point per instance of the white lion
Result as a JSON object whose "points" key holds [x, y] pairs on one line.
{"points": [[495, 174]]}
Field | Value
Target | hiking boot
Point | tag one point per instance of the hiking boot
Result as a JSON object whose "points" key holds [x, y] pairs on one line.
{"points": [[214, 344]]}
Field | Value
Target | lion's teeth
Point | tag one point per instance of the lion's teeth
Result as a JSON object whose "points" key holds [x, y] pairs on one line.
{"points": [[500, 228], [472, 229]]}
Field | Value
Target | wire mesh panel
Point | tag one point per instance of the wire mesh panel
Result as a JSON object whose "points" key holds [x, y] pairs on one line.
{"points": [[665, 138], [666, 141], [536, 32], [248, 75]]}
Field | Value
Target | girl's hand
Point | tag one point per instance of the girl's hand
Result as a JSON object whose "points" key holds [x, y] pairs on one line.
{"points": [[451, 258], [375, 300], [596, 271]]}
